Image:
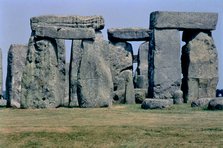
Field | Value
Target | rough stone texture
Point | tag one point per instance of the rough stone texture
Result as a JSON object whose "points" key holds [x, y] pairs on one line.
{"points": [[178, 97], [95, 22], [216, 104], [140, 95], [94, 85], [140, 81], [183, 20], [143, 64], [128, 34], [16, 64], [202, 102], [1, 75], [75, 61], [164, 64], [125, 89], [3, 103], [202, 74], [65, 33], [41, 79], [66, 100], [156, 103]]}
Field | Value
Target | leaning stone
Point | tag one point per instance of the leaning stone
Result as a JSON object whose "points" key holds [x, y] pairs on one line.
{"points": [[65, 33], [216, 104], [164, 64], [95, 22], [16, 64], [156, 103], [128, 34], [202, 102], [183, 20], [41, 76], [94, 84]]}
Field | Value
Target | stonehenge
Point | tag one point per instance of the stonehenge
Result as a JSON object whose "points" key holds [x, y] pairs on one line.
{"points": [[100, 71]]}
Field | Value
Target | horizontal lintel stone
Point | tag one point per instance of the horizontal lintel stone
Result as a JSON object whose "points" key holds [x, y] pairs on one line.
{"points": [[64, 33], [128, 34], [95, 22], [183, 20]]}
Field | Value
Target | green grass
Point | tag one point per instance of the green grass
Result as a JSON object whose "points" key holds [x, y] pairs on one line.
{"points": [[118, 126]]}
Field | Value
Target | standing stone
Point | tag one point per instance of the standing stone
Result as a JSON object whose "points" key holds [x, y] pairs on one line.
{"points": [[94, 83], [164, 64], [142, 69], [41, 77], [75, 61], [1, 82], [203, 66], [16, 64]]}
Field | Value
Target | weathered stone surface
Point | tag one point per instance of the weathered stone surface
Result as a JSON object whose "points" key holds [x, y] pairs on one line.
{"points": [[65, 32], [216, 104], [202, 102], [1, 74], [42, 76], [178, 97], [95, 22], [94, 85], [75, 61], [66, 99], [143, 64], [140, 95], [140, 81], [3, 103], [183, 20], [16, 64], [156, 103], [125, 89], [128, 34], [164, 64], [201, 73]]}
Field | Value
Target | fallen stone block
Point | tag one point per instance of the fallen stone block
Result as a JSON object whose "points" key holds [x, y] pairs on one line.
{"points": [[3, 103], [216, 104], [128, 34], [183, 20], [140, 95], [156, 103], [201, 102], [94, 22]]}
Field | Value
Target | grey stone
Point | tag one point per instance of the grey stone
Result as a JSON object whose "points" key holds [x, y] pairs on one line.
{"points": [[125, 89], [65, 33], [183, 20], [42, 76], [216, 104], [156, 103], [128, 34], [202, 102], [140, 81], [66, 98], [1, 74], [3, 103], [143, 63], [94, 84], [202, 76], [75, 61], [140, 95], [164, 64], [16, 64], [178, 97], [95, 22]]}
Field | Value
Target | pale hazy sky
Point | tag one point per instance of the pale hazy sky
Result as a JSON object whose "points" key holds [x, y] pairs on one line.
{"points": [[15, 15]]}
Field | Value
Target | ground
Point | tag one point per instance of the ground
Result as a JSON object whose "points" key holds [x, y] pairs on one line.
{"points": [[118, 126]]}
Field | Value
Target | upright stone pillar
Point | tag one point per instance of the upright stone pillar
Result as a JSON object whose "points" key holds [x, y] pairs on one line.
{"points": [[164, 63], [1, 82], [16, 64]]}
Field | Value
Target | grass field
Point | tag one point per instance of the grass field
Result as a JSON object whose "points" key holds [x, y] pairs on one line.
{"points": [[118, 126]]}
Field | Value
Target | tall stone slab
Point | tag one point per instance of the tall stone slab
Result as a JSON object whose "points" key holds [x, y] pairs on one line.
{"points": [[143, 65], [94, 79], [202, 74], [16, 64], [1, 75], [183, 20], [75, 61], [164, 64], [41, 78]]}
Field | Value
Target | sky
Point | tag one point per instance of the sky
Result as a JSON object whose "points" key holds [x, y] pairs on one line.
{"points": [[15, 16]]}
